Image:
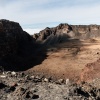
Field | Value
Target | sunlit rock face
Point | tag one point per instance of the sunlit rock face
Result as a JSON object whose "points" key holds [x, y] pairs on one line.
{"points": [[64, 32]]}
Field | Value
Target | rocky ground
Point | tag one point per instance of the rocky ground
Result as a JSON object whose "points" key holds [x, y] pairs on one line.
{"points": [[18, 86]]}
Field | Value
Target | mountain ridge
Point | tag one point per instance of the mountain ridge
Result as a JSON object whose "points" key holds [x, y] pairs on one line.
{"points": [[68, 31]]}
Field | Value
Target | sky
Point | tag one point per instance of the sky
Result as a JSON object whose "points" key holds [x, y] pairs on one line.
{"points": [[34, 15]]}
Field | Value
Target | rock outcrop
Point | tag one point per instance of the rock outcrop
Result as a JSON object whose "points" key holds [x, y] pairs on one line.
{"points": [[17, 48], [64, 32], [54, 35]]}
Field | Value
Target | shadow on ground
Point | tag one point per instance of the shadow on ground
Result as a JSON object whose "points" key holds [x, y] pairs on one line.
{"points": [[30, 55]]}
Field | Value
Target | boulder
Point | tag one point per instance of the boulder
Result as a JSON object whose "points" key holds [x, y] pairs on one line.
{"points": [[17, 47]]}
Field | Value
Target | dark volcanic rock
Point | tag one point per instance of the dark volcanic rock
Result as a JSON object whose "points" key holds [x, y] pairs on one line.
{"points": [[2, 85], [17, 48], [46, 90]]}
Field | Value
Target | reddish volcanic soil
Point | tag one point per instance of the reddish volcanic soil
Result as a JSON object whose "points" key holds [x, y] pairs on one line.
{"points": [[91, 71], [67, 60]]}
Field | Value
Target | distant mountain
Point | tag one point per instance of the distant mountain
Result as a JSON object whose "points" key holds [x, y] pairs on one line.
{"points": [[65, 32]]}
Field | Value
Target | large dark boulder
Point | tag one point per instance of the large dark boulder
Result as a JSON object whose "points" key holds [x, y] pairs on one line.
{"points": [[17, 48]]}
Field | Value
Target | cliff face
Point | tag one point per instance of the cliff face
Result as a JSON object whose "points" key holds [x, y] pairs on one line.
{"points": [[16, 46], [86, 31], [54, 35], [64, 32]]}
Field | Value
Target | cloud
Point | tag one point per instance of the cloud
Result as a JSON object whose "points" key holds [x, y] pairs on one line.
{"points": [[32, 31], [41, 13]]}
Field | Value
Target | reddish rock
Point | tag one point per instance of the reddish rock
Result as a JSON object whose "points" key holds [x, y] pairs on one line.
{"points": [[91, 71]]}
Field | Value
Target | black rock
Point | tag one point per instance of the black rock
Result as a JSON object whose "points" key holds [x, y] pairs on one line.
{"points": [[2, 85], [17, 48]]}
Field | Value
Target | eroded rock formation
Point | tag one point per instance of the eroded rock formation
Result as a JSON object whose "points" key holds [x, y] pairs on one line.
{"points": [[63, 32], [17, 47]]}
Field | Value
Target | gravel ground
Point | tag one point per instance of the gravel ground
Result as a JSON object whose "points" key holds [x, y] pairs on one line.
{"points": [[18, 86]]}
